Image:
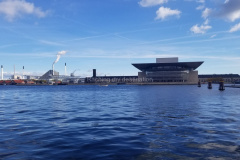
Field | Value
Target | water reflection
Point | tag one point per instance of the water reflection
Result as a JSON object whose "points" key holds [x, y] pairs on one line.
{"points": [[119, 122], [187, 118]]}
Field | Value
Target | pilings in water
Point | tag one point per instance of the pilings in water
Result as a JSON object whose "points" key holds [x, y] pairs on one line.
{"points": [[199, 84], [221, 86], [209, 85]]}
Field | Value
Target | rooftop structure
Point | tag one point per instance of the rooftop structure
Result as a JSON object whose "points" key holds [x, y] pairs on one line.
{"points": [[167, 60]]}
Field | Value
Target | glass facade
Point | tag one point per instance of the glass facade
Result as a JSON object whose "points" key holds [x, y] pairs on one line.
{"points": [[168, 68], [168, 76]]}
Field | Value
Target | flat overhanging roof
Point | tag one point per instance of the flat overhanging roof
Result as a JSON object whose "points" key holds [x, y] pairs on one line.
{"points": [[163, 66]]}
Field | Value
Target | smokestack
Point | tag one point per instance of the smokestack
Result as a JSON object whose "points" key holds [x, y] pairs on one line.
{"points": [[65, 69], [14, 72], [23, 73], [94, 73], [53, 69], [1, 72], [58, 57]]}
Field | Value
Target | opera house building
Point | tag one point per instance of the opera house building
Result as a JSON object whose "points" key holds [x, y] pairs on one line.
{"points": [[169, 70]]}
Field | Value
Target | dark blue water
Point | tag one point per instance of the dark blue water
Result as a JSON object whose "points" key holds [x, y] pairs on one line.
{"points": [[119, 122]]}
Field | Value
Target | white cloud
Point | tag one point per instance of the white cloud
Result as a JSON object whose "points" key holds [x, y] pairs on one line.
{"points": [[200, 29], [233, 15], [200, 7], [235, 28], [163, 13], [17, 8], [50, 43], [148, 3], [226, 1], [206, 22], [213, 36], [206, 13], [201, 1], [230, 10]]}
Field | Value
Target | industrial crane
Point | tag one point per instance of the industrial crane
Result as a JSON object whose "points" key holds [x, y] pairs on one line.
{"points": [[72, 74]]}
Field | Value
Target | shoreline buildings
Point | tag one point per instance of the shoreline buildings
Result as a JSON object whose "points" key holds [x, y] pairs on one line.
{"points": [[164, 71], [227, 78]]}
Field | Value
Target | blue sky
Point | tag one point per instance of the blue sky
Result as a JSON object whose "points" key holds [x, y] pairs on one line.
{"points": [[109, 35]]}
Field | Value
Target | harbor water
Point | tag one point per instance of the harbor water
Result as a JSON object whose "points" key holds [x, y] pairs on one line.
{"points": [[119, 122]]}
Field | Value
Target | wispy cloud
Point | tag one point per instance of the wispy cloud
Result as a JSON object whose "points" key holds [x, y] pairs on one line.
{"points": [[51, 43], [36, 54], [163, 13], [228, 58], [88, 37], [206, 22], [123, 37], [119, 34], [184, 39], [205, 40], [200, 29], [200, 7], [181, 39], [145, 55], [206, 13], [9, 45], [135, 54], [201, 1], [226, 1], [12, 9], [149, 3], [235, 28], [213, 36]]}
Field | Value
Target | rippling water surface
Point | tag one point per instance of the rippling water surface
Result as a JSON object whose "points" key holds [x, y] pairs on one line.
{"points": [[119, 122]]}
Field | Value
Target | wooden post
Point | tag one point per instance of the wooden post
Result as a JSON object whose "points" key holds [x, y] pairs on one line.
{"points": [[199, 84], [209, 85], [221, 86]]}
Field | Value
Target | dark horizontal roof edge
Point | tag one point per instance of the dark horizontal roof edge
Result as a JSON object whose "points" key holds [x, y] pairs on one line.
{"points": [[145, 66], [170, 62], [217, 74], [115, 76]]}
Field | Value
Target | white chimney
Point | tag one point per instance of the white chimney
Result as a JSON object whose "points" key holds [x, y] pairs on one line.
{"points": [[23, 73], [1, 72], [14, 72], [65, 69], [53, 69]]}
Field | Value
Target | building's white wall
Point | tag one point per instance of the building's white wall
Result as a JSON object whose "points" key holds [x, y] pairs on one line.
{"points": [[16, 77]]}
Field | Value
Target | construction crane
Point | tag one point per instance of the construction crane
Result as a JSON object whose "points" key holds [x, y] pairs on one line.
{"points": [[72, 74]]}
